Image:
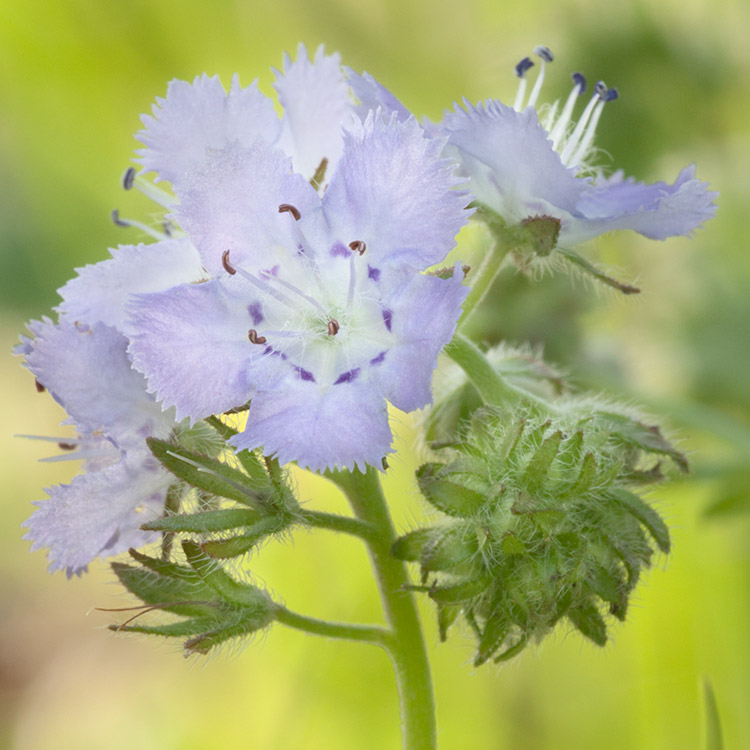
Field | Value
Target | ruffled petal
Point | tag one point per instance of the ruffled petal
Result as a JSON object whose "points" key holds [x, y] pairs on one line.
{"points": [[345, 426], [425, 311], [393, 193], [192, 344], [201, 116], [100, 290], [317, 104], [232, 203], [99, 514], [88, 372], [511, 162], [373, 96], [657, 210]]}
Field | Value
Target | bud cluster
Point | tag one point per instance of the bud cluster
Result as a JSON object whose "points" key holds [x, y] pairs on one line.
{"points": [[543, 521]]}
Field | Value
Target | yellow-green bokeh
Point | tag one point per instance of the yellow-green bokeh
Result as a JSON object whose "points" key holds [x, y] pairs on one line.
{"points": [[74, 76]]}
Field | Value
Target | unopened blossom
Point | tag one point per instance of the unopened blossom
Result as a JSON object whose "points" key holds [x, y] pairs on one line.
{"points": [[87, 370], [320, 312], [524, 165]]}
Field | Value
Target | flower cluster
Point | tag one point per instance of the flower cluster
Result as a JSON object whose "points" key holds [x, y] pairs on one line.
{"points": [[291, 277]]}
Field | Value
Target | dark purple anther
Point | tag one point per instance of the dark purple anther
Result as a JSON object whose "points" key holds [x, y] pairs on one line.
{"points": [[289, 208], [611, 95], [580, 81], [347, 377], [128, 178], [523, 66], [544, 52], [228, 267], [600, 89]]}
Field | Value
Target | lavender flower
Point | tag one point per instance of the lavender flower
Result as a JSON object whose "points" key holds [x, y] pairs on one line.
{"points": [[319, 312], [87, 371], [522, 167]]}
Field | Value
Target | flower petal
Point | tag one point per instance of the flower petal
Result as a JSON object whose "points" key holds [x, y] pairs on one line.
{"points": [[100, 290], [393, 193], [373, 96], [99, 514], [657, 210], [425, 311], [88, 372], [345, 426], [201, 116], [511, 162], [316, 103]]}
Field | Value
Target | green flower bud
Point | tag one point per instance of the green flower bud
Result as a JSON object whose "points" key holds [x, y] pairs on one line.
{"points": [[543, 523]]}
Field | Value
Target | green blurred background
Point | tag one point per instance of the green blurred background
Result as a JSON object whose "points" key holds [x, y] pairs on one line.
{"points": [[75, 74]]}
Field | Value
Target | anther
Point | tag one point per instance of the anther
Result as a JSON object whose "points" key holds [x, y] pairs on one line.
{"points": [[128, 178], [580, 82], [358, 246], [523, 65], [117, 220], [601, 89], [228, 267], [544, 52], [252, 334], [167, 228], [333, 327], [67, 446], [611, 95], [289, 208], [39, 387]]}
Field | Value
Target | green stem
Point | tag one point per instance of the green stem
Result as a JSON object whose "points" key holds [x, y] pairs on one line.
{"points": [[334, 522], [367, 633], [407, 648], [494, 389]]}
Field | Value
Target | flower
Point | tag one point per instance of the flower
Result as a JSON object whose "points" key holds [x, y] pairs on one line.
{"points": [[319, 312], [87, 371], [523, 168]]}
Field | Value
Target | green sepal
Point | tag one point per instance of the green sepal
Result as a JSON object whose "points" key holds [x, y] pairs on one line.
{"points": [[448, 497], [165, 567], [512, 545], [212, 520], [181, 629], [447, 551], [578, 260], [203, 643], [239, 545], [248, 459], [646, 515], [409, 546], [540, 234], [644, 437], [458, 592], [609, 587], [208, 474], [447, 615], [171, 594], [494, 633], [586, 618], [585, 477], [514, 650], [222, 583], [539, 465]]}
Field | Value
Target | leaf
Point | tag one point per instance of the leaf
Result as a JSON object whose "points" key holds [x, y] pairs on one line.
{"points": [[646, 515]]}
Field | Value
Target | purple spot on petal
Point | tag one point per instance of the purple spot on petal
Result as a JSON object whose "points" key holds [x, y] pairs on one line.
{"points": [[256, 312], [373, 273], [300, 249], [266, 274], [305, 374], [347, 377], [340, 250], [274, 352], [387, 318], [377, 360]]}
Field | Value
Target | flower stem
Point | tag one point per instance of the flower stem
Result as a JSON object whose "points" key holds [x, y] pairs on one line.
{"points": [[334, 522], [367, 633], [407, 647]]}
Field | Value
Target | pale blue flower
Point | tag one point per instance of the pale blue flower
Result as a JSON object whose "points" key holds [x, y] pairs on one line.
{"points": [[88, 372], [319, 313], [524, 164]]}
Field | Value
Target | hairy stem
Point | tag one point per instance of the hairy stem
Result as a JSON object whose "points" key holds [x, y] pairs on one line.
{"points": [[367, 633], [407, 648], [334, 522]]}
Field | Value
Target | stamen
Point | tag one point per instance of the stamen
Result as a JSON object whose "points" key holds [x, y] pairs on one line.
{"points": [[167, 227], [39, 387], [358, 246], [128, 178], [581, 125], [605, 95], [520, 70], [252, 334], [120, 222], [67, 446], [289, 208], [228, 267], [558, 132], [320, 173], [545, 55], [333, 327]]}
